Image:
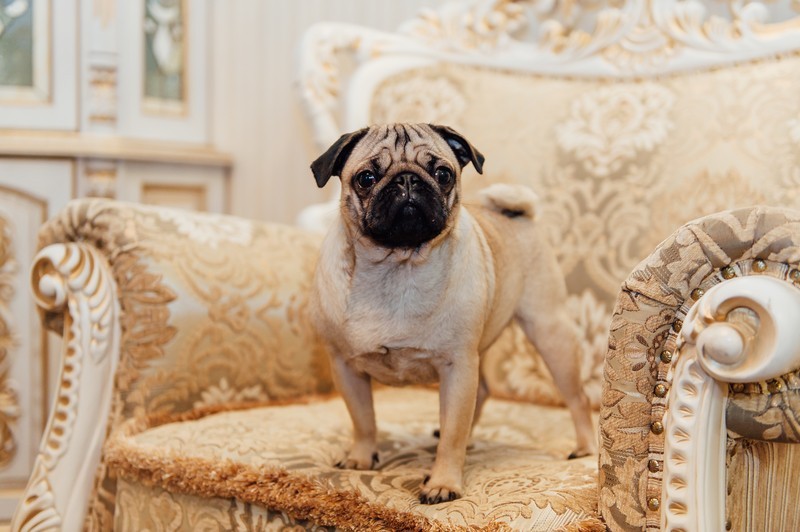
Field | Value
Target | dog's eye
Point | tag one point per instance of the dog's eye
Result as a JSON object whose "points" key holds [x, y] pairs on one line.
{"points": [[365, 179], [443, 175]]}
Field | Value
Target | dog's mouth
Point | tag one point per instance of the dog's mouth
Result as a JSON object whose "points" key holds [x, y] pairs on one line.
{"points": [[405, 217]]}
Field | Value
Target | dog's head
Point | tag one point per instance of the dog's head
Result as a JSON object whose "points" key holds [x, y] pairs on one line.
{"points": [[400, 182]]}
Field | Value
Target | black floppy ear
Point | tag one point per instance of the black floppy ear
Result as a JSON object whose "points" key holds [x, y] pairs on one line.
{"points": [[332, 161], [465, 152]]}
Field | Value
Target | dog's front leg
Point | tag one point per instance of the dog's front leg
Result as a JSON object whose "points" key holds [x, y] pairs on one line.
{"points": [[458, 389], [356, 389]]}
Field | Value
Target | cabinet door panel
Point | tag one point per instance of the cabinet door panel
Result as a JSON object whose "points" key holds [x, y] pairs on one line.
{"points": [[163, 69]]}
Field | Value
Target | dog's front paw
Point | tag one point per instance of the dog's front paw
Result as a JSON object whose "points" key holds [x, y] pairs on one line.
{"points": [[360, 458], [434, 492]]}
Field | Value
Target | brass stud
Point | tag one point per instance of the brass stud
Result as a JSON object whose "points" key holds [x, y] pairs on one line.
{"points": [[653, 466], [794, 275], [728, 272], [697, 293], [775, 386], [666, 356], [660, 390], [759, 265], [738, 387], [677, 325], [657, 427], [653, 503]]}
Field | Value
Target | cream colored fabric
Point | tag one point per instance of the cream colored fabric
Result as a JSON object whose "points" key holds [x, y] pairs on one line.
{"points": [[213, 311], [154, 509], [618, 166], [214, 307], [516, 471]]}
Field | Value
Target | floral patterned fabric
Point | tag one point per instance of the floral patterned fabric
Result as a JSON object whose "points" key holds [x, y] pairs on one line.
{"points": [[618, 166], [213, 311], [516, 473], [648, 315], [214, 308]]}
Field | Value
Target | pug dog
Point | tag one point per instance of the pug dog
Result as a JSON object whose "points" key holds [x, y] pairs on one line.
{"points": [[413, 287]]}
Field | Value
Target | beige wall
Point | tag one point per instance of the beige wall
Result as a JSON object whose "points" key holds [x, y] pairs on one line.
{"points": [[257, 115]]}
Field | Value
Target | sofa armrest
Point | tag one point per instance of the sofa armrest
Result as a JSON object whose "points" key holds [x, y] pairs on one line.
{"points": [[666, 379], [74, 279], [161, 311], [741, 331]]}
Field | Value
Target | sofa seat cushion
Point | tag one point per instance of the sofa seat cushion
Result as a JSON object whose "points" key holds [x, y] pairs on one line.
{"points": [[274, 464]]}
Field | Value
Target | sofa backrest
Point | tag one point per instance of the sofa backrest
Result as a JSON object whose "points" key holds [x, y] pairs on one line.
{"points": [[659, 113]]}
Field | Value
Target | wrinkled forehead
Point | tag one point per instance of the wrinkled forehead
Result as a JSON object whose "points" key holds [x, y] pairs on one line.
{"points": [[386, 144]]}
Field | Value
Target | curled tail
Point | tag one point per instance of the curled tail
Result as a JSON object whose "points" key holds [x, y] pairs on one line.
{"points": [[510, 200]]}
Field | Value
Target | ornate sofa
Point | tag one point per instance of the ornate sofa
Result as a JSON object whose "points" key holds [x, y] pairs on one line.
{"points": [[194, 396]]}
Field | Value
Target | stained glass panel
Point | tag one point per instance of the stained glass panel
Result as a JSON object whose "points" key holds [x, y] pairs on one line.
{"points": [[16, 43]]}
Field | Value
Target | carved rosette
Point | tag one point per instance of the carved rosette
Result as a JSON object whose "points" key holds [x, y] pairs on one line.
{"points": [[72, 280]]}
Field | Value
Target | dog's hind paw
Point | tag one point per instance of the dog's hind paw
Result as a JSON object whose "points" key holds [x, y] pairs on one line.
{"points": [[578, 453]]}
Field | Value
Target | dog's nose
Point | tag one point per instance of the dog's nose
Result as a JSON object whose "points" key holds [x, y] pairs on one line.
{"points": [[407, 180]]}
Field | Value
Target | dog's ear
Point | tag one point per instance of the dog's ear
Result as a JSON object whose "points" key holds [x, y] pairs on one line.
{"points": [[332, 161], [465, 152]]}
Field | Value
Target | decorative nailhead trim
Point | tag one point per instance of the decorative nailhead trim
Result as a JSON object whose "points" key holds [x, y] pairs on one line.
{"points": [[657, 427], [653, 466], [666, 356], [697, 293], [653, 503], [660, 390], [794, 275], [759, 265], [774, 386], [677, 325], [728, 272]]}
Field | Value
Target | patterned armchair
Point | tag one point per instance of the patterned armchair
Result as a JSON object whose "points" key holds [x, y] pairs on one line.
{"points": [[193, 394]]}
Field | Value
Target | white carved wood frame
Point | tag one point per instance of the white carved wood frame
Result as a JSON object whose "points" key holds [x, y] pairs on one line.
{"points": [[637, 39], [743, 330], [73, 279]]}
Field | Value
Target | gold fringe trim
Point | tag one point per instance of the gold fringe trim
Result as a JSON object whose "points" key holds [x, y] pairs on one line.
{"points": [[297, 495]]}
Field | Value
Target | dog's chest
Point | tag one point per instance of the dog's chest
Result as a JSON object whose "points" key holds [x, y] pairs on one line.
{"points": [[393, 323]]}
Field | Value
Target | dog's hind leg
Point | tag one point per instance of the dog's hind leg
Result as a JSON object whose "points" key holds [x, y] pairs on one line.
{"points": [[543, 317], [483, 394]]}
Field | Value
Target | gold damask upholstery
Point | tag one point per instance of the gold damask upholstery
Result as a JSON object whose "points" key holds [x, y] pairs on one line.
{"points": [[213, 311], [618, 165], [214, 314], [516, 475]]}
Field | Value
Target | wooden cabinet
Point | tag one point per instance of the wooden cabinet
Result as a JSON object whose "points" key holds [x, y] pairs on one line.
{"points": [[97, 98]]}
